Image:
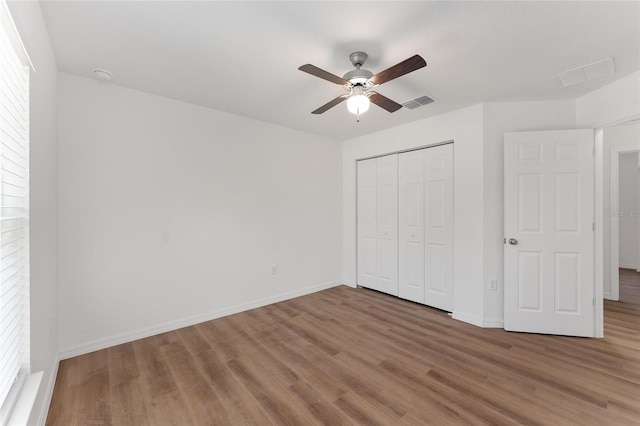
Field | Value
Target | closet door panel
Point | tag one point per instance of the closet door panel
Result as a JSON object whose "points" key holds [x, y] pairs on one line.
{"points": [[366, 218], [387, 224], [438, 218], [436, 274], [411, 225]]}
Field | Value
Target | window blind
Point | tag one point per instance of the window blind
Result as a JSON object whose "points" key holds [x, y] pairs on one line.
{"points": [[14, 213]]}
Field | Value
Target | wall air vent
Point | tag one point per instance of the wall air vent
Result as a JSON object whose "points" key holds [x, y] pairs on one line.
{"points": [[587, 72], [418, 102]]}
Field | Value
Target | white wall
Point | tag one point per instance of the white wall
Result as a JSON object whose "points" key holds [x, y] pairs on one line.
{"points": [[464, 127], [43, 199], [612, 103], [616, 137], [628, 201], [172, 213], [500, 118]]}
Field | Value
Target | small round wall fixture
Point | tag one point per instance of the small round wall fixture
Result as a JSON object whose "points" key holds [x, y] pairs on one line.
{"points": [[102, 74]]}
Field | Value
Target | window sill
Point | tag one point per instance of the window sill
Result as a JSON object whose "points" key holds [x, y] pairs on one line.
{"points": [[24, 404]]}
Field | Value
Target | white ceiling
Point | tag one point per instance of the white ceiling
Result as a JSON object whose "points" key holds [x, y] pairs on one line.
{"points": [[242, 57]]}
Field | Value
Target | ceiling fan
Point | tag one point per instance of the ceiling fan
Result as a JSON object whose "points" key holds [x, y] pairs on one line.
{"points": [[359, 83]]}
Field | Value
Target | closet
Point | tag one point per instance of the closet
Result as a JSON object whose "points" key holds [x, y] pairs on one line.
{"points": [[405, 225]]}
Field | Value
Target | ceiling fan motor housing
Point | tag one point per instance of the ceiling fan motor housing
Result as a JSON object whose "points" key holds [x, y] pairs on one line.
{"points": [[358, 76]]}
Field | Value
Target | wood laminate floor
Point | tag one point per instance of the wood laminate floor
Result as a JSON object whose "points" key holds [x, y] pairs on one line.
{"points": [[630, 286], [354, 356]]}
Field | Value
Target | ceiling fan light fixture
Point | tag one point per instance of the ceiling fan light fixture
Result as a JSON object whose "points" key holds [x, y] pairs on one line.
{"points": [[358, 103]]}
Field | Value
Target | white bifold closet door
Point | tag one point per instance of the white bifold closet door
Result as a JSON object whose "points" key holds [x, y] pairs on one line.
{"points": [[366, 218], [378, 223], [411, 225], [438, 228], [425, 223]]}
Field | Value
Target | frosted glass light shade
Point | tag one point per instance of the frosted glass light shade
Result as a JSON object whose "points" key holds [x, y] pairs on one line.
{"points": [[358, 104]]}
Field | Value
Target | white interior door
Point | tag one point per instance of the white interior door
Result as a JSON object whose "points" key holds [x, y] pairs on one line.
{"points": [[549, 219], [438, 226], [411, 225], [366, 218], [387, 224]]}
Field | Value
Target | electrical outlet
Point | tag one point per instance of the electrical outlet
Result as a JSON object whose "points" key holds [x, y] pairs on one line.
{"points": [[274, 270], [493, 284]]}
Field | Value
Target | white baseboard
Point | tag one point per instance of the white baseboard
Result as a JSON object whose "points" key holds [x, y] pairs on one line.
{"points": [[350, 283], [478, 322], [492, 323], [629, 266], [607, 296], [51, 382], [104, 343]]}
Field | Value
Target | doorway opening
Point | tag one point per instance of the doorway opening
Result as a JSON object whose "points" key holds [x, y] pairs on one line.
{"points": [[628, 283], [629, 280], [621, 212]]}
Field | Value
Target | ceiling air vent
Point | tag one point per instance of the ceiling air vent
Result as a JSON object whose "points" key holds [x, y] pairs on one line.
{"points": [[586, 72], [418, 102]]}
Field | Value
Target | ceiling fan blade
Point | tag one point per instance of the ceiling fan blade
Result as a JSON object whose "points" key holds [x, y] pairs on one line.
{"points": [[318, 72], [330, 104], [384, 102], [405, 67]]}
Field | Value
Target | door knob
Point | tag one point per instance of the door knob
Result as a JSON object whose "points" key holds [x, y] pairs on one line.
{"points": [[513, 241]]}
